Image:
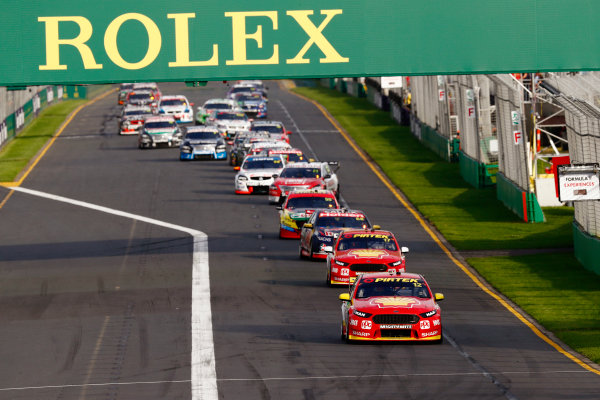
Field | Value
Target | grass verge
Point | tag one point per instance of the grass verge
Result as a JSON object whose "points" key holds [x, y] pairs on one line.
{"points": [[473, 219], [17, 153]]}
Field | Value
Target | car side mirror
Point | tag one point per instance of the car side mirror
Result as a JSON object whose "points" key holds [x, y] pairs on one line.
{"points": [[345, 297], [328, 249], [308, 225], [275, 176], [376, 227], [236, 168], [279, 208], [191, 104], [289, 132], [404, 249], [439, 297], [327, 176]]}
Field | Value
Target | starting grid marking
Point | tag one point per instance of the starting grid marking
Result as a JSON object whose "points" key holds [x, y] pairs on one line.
{"points": [[204, 376]]}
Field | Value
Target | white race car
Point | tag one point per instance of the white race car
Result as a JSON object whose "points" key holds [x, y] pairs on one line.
{"points": [[256, 174], [177, 106]]}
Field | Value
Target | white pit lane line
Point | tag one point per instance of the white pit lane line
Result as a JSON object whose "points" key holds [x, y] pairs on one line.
{"points": [[204, 376]]}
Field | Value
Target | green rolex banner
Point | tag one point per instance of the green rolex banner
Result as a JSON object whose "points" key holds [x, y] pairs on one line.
{"points": [[67, 41]]}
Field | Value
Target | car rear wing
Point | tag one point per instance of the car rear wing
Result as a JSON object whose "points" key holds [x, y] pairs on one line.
{"points": [[334, 164]]}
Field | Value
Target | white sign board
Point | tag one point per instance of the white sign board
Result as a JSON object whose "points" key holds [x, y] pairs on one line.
{"points": [[471, 112], [390, 82], [441, 94], [518, 137], [578, 182]]}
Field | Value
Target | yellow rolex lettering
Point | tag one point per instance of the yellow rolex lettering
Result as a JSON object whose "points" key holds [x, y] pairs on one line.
{"points": [[182, 44], [154, 41], [240, 37], [53, 43], [316, 37]]}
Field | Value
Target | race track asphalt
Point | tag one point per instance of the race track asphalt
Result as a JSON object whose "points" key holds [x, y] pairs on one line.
{"points": [[98, 306]]}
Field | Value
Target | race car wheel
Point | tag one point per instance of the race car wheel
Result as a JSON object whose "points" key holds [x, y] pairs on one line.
{"points": [[300, 254], [313, 250], [347, 334], [328, 277], [342, 336]]}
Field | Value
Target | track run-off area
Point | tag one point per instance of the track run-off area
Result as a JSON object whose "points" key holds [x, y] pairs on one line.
{"points": [[128, 274]]}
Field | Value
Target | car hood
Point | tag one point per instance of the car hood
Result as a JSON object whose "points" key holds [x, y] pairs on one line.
{"points": [[202, 142], [394, 304], [368, 255], [260, 172], [232, 122], [159, 131]]}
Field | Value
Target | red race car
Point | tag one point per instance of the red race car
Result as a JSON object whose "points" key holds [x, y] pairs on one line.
{"points": [[391, 306], [298, 208], [357, 251]]}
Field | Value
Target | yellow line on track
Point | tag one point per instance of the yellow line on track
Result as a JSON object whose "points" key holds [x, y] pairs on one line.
{"points": [[434, 236]]}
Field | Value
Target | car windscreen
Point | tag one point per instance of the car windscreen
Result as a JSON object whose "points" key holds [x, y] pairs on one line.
{"points": [[162, 125], [203, 135], [173, 102], [310, 203], [262, 163], [367, 241], [231, 116], [246, 97], [301, 173], [137, 112], [141, 97], [359, 222], [294, 157], [267, 128], [217, 106], [393, 286]]}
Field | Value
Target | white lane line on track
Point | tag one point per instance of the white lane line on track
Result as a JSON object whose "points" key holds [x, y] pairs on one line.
{"points": [[203, 376]]}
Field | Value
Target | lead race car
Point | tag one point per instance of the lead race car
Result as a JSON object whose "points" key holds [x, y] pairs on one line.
{"points": [[360, 251], [391, 307]]}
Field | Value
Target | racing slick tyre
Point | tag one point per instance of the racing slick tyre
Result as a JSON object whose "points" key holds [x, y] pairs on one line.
{"points": [[347, 335], [300, 254], [313, 250], [328, 277]]}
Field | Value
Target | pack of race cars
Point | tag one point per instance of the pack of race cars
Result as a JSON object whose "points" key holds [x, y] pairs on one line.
{"points": [[384, 302]]}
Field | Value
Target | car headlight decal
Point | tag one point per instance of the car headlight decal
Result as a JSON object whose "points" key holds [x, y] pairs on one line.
{"points": [[395, 263], [338, 262], [361, 314], [428, 314]]}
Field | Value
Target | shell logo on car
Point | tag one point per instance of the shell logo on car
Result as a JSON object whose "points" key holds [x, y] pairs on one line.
{"points": [[367, 253], [396, 302]]}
